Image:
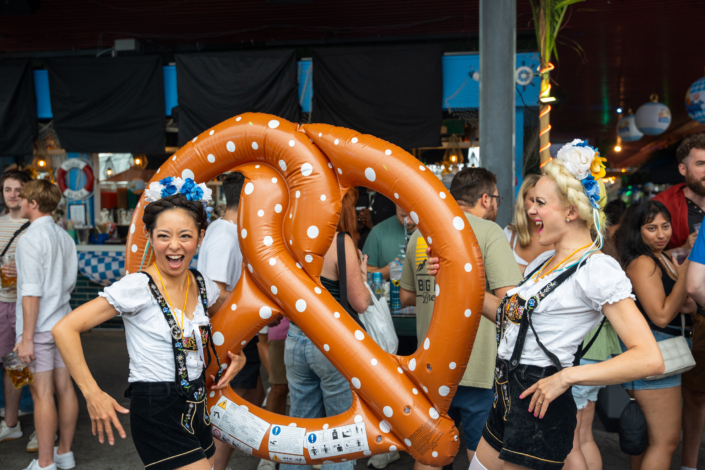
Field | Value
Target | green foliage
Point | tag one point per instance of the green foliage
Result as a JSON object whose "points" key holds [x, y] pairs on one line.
{"points": [[548, 19]]}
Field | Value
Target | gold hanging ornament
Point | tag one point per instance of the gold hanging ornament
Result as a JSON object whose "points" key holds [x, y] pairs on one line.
{"points": [[453, 156]]}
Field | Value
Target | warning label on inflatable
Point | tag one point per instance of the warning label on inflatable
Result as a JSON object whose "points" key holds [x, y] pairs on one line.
{"points": [[286, 458], [238, 422], [337, 441], [426, 437], [228, 439], [287, 439]]}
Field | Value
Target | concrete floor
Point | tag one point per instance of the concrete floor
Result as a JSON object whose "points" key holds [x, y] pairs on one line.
{"points": [[106, 354]]}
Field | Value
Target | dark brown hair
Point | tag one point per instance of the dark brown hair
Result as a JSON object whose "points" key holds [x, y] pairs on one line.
{"points": [[348, 215], [17, 175], [176, 201], [232, 187], [695, 141], [45, 194], [471, 184]]}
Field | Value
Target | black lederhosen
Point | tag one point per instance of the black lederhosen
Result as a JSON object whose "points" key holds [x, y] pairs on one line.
{"points": [[519, 436], [161, 440], [169, 421]]}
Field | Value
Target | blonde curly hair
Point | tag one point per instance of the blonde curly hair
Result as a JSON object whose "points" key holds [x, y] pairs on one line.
{"points": [[570, 190]]}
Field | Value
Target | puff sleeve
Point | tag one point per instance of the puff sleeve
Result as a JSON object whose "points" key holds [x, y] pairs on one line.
{"points": [[602, 281], [129, 295]]}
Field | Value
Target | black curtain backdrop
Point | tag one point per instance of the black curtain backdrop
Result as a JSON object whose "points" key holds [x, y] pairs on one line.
{"points": [[391, 92], [214, 87], [111, 104], [18, 108]]}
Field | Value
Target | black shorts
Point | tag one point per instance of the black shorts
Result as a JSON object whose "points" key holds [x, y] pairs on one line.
{"points": [[518, 436], [247, 377], [162, 442]]}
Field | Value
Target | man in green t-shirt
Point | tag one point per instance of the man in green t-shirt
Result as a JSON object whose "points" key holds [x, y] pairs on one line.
{"points": [[387, 242], [475, 190]]}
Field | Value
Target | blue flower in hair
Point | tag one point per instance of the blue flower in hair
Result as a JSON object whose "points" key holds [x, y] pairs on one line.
{"points": [[191, 190], [169, 189], [592, 191]]}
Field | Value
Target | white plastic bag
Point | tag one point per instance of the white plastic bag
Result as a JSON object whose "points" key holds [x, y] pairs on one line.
{"points": [[379, 325]]}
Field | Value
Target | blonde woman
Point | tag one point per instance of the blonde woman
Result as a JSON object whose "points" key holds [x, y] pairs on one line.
{"points": [[523, 234], [565, 291]]}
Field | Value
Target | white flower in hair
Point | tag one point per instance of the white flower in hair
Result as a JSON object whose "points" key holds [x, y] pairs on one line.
{"points": [[577, 157]]}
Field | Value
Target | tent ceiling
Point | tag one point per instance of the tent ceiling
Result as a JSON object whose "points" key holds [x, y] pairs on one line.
{"points": [[632, 48]]}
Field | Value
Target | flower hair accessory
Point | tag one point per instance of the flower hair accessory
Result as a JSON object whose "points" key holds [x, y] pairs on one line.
{"points": [[170, 186], [585, 163]]}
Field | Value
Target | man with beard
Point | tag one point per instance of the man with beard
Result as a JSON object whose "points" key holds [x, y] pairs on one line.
{"points": [[475, 190], [12, 225], [686, 203]]}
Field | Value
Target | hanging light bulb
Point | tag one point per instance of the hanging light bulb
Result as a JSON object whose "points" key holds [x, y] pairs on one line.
{"points": [[109, 167], [139, 162], [618, 147], [42, 163]]}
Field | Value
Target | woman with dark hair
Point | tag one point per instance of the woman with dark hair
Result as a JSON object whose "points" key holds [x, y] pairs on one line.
{"points": [[316, 387], [168, 337], [659, 286]]}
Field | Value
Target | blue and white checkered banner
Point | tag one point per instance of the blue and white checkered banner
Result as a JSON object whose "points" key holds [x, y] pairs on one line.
{"points": [[106, 267], [102, 267]]}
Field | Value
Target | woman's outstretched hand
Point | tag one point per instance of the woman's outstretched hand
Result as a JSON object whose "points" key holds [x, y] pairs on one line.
{"points": [[237, 362], [102, 408], [545, 391]]}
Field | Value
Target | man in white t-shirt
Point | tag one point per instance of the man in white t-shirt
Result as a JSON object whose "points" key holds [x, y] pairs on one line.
{"points": [[220, 259], [47, 267]]}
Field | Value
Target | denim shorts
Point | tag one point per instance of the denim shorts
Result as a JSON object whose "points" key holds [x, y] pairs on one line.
{"points": [[470, 408], [666, 382], [584, 393]]}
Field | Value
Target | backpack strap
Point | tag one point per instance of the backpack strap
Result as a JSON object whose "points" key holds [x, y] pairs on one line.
{"points": [[17, 232], [581, 351], [343, 278]]}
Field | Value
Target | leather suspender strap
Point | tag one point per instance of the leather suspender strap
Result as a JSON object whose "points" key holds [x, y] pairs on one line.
{"points": [[17, 232], [211, 346], [526, 322]]}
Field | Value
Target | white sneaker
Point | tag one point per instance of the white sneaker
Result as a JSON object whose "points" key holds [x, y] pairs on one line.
{"points": [[64, 461], [7, 433], [35, 466], [382, 460], [266, 465]]}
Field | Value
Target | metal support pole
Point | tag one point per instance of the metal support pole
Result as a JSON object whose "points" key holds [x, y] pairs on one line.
{"points": [[497, 97]]}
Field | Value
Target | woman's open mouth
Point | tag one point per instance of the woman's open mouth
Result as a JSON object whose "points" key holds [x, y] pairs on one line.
{"points": [[175, 261], [540, 225]]}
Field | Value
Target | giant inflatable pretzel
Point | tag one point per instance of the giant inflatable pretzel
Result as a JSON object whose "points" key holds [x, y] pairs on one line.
{"points": [[295, 179]]}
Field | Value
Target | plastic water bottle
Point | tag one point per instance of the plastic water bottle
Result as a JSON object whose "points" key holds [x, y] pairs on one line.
{"points": [[394, 280], [377, 286]]}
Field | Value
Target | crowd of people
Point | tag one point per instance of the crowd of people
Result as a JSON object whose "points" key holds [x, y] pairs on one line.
{"points": [[578, 295]]}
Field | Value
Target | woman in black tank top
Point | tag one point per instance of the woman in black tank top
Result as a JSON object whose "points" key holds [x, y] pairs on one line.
{"points": [[659, 286]]}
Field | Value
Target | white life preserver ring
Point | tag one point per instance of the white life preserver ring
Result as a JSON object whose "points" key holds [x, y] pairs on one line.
{"points": [[75, 194]]}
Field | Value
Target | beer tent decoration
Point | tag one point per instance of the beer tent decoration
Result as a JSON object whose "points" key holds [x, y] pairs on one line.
{"points": [[295, 178]]}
